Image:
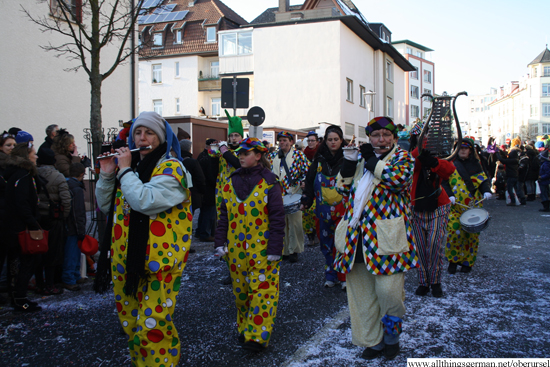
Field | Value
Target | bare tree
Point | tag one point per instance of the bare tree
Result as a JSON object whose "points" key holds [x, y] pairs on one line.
{"points": [[88, 27]]}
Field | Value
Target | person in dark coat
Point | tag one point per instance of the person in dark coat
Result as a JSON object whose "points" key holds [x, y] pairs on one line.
{"points": [[7, 143], [46, 147], [76, 229], [544, 181], [22, 191], [209, 162], [195, 170], [532, 173], [511, 160]]}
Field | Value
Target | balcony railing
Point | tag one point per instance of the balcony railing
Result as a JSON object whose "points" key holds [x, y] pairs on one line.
{"points": [[208, 83]]}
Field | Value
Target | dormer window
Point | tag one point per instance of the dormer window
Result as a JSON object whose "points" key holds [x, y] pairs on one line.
{"points": [[210, 34], [178, 36], [157, 39]]}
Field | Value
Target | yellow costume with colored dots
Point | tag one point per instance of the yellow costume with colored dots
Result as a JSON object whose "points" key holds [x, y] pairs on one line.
{"points": [[153, 338], [255, 280]]}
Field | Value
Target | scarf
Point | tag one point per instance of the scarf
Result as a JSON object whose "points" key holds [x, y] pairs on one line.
{"points": [[138, 232]]}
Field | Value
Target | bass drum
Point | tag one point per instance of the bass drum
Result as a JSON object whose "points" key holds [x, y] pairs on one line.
{"points": [[475, 220], [292, 203]]}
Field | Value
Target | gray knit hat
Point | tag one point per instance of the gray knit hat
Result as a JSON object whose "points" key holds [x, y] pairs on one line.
{"points": [[185, 145], [153, 121]]}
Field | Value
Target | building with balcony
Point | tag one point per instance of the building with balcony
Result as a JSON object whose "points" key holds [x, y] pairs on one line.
{"points": [[315, 63], [179, 63], [479, 119], [419, 81]]}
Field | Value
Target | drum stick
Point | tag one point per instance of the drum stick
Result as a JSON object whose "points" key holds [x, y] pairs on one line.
{"points": [[351, 141], [132, 150]]}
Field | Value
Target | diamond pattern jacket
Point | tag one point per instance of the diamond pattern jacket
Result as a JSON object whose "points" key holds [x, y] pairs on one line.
{"points": [[390, 200]]}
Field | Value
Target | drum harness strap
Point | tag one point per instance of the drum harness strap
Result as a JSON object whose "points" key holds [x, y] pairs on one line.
{"points": [[464, 174], [285, 166]]}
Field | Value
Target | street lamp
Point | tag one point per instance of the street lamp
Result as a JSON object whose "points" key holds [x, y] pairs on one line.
{"points": [[370, 104]]}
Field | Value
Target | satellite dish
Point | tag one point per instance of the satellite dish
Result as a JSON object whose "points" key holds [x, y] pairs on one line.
{"points": [[255, 116]]}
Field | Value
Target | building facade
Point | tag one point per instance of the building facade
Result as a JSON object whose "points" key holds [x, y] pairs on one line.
{"points": [[417, 82]]}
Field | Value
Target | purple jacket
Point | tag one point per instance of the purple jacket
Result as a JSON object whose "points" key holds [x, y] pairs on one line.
{"points": [[243, 181]]}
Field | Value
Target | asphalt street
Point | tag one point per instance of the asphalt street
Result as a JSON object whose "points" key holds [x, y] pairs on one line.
{"points": [[499, 310]]}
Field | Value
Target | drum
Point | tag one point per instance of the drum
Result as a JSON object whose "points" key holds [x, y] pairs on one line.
{"points": [[292, 203], [475, 220]]}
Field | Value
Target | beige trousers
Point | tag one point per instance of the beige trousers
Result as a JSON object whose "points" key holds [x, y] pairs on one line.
{"points": [[371, 297], [294, 234]]}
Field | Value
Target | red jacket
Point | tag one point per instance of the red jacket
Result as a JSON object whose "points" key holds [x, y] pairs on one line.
{"points": [[444, 170]]}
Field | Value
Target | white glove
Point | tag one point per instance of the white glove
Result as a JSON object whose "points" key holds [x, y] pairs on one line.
{"points": [[221, 251], [351, 154], [487, 195], [453, 200], [273, 257], [222, 144]]}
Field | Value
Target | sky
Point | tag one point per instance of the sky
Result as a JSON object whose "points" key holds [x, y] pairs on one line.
{"points": [[477, 44]]}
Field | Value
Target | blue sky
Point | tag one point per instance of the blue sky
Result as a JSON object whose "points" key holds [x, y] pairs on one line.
{"points": [[478, 44]]}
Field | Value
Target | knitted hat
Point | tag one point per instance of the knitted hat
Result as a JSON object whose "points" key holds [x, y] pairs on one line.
{"points": [[252, 143], [516, 142], [311, 133], [235, 124], [467, 143], [152, 121], [155, 122], [285, 134], [539, 144], [382, 122], [210, 141], [185, 145], [23, 137]]}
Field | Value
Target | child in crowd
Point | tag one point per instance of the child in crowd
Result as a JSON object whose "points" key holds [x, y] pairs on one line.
{"points": [[76, 229], [250, 235], [500, 182]]}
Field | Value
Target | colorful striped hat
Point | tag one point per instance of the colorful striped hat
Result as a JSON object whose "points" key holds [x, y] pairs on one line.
{"points": [[285, 134], [382, 122], [251, 143]]}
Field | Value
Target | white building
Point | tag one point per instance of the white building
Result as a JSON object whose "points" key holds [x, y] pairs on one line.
{"points": [[419, 81], [37, 92], [523, 107], [479, 118]]}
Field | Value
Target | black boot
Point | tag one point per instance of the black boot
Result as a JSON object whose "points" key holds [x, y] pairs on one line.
{"points": [[24, 305], [523, 201], [452, 267], [531, 197], [546, 206], [422, 290], [437, 291]]}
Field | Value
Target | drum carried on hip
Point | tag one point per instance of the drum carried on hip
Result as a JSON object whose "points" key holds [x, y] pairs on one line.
{"points": [[291, 203], [475, 220]]}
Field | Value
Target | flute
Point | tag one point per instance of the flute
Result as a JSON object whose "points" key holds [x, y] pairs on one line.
{"points": [[132, 150], [386, 147]]}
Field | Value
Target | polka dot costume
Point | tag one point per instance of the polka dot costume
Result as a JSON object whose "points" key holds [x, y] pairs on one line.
{"points": [[462, 246], [225, 171], [147, 320], [255, 280]]}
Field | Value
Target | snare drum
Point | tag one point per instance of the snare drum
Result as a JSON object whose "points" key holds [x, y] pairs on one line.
{"points": [[475, 220], [292, 203]]}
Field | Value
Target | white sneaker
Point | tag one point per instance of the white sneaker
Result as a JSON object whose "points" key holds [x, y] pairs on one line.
{"points": [[329, 284], [343, 284]]}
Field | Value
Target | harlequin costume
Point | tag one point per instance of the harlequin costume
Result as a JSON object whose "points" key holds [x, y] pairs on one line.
{"points": [[467, 184], [149, 223], [252, 225], [377, 243], [430, 215], [320, 190], [297, 164]]}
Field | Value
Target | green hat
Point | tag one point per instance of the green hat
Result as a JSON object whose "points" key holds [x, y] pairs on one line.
{"points": [[235, 125]]}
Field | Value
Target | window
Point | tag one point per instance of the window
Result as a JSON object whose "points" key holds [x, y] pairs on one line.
{"points": [[216, 106], [157, 106], [419, 54], [178, 36], [477, 109], [74, 9], [215, 69], [534, 129], [414, 91], [546, 109], [547, 71], [427, 91], [349, 95], [157, 39], [426, 113], [177, 105], [535, 72], [414, 74], [362, 91], [389, 107], [409, 51], [157, 73], [383, 35], [546, 90], [236, 43], [545, 128], [210, 34], [177, 69], [350, 129], [427, 76], [415, 111], [389, 71]]}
